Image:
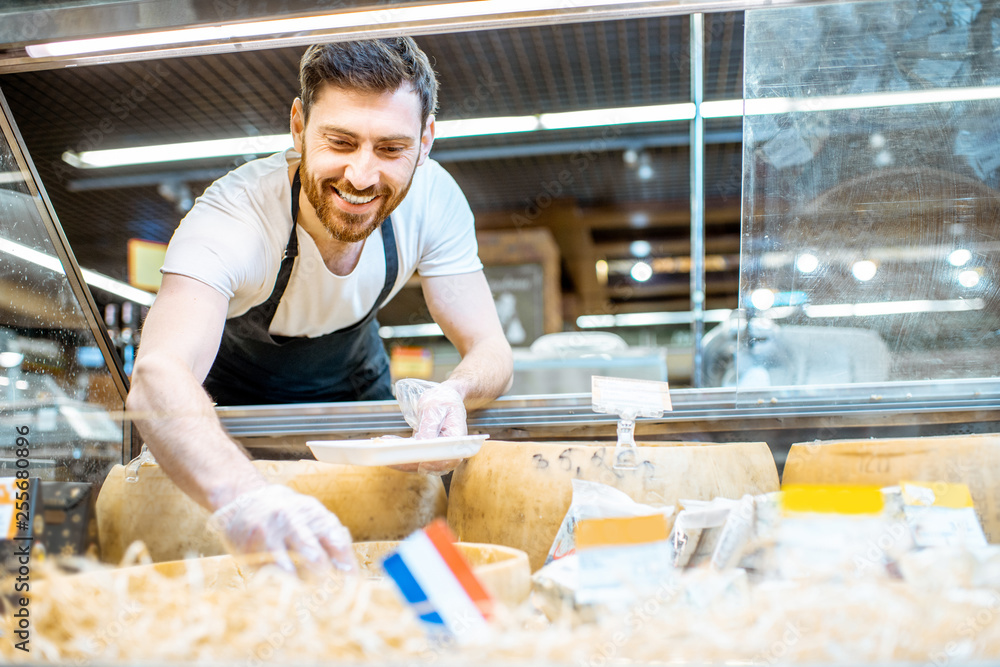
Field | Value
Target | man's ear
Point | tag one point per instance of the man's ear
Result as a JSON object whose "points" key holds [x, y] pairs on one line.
{"points": [[426, 140], [297, 124]]}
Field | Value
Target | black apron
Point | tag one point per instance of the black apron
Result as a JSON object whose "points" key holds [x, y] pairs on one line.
{"points": [[253, 367]]}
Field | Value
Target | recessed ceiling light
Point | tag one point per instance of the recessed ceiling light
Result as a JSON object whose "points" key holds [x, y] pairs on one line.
{"points": [[806, 262], [641, 272], [959, 257], [968, 278], [762, 299], [864, 270], [640, 248]]}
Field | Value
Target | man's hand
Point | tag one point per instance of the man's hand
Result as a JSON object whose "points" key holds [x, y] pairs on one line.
{"points": [[277, 520], [432, 410], [440, 413]]}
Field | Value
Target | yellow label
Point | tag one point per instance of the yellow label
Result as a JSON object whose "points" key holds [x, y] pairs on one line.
{"points": [[832, 498], [620, 531], [936, 494]]}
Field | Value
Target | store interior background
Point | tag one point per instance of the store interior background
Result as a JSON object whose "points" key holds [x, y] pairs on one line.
{"points": [[549, 205], [566, 217]]}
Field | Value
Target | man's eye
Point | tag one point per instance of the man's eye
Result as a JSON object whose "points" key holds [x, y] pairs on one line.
{"points": [[393, 149]]}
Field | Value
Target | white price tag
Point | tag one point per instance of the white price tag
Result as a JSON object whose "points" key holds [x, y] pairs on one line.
{"points": [[643, 398]]}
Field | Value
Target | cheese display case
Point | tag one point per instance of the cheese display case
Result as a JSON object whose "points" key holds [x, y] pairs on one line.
{"points": [[859, 367]]}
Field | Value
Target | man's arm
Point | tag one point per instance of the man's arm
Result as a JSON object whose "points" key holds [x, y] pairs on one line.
{"points": [[174, 414], [463, 307]]}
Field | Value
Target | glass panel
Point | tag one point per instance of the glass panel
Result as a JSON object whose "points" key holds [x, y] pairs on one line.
{"points": [[53, 378], [871, 215]]}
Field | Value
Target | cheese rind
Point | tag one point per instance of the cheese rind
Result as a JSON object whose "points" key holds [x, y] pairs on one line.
{"points": [[373, 503], [973, 460], [517, 493]]}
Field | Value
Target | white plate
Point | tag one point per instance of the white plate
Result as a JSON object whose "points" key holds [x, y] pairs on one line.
{"points": [[395, 451]]}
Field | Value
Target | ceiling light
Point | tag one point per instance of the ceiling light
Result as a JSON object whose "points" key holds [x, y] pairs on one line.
{"points": [[640, 248], [411, 331], [645, 172], [601, 269], [93, 278], [778, 105], [864, 270], [959, 257], [894, 308], [806, 263], [722, 109], [762, 299], [444, 129], [188, 150], [648, 319], [471, 127], [968, 278], [617, 116], [641, 272], [305, 24], [11, 359]]}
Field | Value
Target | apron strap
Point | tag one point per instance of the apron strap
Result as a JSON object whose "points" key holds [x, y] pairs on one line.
{"points": [[265, 311]]}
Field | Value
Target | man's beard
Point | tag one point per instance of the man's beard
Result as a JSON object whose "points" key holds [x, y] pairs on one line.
{"points": [[348, 227]]}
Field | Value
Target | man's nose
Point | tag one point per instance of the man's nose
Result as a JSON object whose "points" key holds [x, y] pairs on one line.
{"points": [[362, 169]]}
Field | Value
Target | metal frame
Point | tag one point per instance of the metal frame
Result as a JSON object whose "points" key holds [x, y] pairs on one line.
{"points": [[716, 409], [697, 152], [64, 253], [119, 23]]}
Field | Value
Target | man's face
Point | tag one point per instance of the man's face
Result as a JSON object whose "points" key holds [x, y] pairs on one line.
{"points": [[359, 153]]}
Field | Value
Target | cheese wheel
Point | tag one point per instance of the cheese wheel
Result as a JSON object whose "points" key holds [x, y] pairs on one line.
{"points": [[973, 460], [517, 493], [502, 570], [374, 503]]}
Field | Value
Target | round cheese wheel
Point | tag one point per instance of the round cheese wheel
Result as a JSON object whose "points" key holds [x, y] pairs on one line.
{"points": [[517, 493], [502, 570], [374, 503], [973, 460]]}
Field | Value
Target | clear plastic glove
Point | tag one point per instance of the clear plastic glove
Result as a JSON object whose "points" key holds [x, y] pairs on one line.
{"points": [[432, 410], [276, 520]]}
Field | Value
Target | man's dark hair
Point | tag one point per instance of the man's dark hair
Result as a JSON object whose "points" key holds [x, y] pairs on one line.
{"points": [[377, 66]]}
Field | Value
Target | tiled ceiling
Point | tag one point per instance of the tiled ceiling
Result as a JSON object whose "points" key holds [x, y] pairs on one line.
{"points": [[487, 73]]}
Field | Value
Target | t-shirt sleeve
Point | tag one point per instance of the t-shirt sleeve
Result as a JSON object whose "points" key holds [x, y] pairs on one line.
{"points": [[216, 244], [449, 231]]}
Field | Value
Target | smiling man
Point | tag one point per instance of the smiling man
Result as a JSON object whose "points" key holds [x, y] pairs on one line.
{"points": [[272, 282]]}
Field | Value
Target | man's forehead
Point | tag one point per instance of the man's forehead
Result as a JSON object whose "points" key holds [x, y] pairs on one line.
{"points": [[405, 99]]}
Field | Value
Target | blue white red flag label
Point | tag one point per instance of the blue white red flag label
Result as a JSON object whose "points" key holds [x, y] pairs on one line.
{"points": [[438, 583]]}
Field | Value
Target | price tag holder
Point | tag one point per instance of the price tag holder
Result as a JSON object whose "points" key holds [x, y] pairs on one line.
{"points": [[629, 399]]}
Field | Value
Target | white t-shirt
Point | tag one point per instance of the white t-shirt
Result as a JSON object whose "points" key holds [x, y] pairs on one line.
{"points": [[235, 235]]}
